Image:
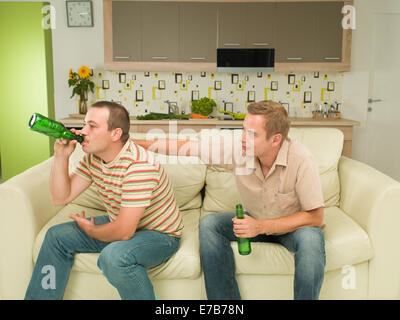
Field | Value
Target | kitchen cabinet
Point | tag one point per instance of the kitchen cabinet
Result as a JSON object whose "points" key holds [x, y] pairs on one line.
{"points": [[295, 37], [328, 32], [317, 37], [231, 25], [246, 25], [184, 35], [126, 31], [329, 45], [198, 32], [260, 25], [160, 30]]}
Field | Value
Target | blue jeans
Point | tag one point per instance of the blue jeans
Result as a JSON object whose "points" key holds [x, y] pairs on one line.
{"points": [[123, 263], [216, 233]]}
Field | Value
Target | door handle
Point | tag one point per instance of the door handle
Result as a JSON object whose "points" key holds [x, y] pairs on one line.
{"points": [[374, 100], [260, 44]]}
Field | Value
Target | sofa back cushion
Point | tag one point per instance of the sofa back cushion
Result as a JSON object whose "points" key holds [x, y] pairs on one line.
{"points": [[325, 144], [187, 180]]}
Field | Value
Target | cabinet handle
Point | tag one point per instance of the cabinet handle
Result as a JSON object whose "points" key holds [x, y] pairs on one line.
{"points": [[121, 57], [231, 44], [159, 58], [197, 58], [294, 58], [260, 44], [332, 58]]}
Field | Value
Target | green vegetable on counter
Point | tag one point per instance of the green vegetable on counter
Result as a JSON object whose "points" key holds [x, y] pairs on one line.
{"points": [[161, 116], [203, 106]]}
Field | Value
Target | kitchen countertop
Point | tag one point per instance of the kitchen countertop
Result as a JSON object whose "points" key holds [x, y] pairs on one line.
{"points": [[77, 119]]}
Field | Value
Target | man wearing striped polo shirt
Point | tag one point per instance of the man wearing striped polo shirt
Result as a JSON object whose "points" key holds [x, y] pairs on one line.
{"points": [[143, 226]]}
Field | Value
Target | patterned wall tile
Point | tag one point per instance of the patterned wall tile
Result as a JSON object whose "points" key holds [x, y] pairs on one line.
{"points": [[144, 92]]}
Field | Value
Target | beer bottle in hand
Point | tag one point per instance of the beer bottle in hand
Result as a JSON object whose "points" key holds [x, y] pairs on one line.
{"points": [[243, 243], [51, 128]]}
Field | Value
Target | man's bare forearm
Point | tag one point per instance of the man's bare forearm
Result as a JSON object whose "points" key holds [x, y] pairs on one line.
{"points": [[170, 146], [312, 218], [60, 183], [109, 232]]}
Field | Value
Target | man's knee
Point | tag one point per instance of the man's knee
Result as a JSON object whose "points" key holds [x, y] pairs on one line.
{"points": [[55, 234], [310, 241], [207, 223], [110, 258]]}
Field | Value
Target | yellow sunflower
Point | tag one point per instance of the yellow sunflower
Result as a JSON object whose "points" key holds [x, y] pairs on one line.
{"points": [[84, 72], [71, 75]]}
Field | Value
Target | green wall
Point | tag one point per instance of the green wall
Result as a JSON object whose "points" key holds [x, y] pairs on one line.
{"points": [[26, 85]]}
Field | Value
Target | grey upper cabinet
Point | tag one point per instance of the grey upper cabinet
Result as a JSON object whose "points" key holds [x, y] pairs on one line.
{"points": [[197, 32], [328, 32], [232, 25], [160, 23], [126, 31], [260, 25], [295, 28], [307, 36]]}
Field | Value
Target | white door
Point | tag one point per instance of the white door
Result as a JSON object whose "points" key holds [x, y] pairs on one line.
{"points": [[383, 116]]}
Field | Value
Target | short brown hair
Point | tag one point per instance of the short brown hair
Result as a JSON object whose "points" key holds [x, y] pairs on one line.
{"points": [[118, 118], [276, 117]]}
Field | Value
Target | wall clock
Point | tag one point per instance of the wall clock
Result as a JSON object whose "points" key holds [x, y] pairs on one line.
{"points": [[79, 13]]}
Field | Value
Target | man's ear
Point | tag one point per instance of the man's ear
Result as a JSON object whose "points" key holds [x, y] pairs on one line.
{"points": [[116, 134], [277, 139]]}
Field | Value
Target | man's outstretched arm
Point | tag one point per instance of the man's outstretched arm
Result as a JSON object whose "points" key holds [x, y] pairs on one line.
{"points": [[171, 146]]}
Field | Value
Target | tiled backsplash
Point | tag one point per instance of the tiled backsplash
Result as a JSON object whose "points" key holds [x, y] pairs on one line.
{"points": [[144, 92]]}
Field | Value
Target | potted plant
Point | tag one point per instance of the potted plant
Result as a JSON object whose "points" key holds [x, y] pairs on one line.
{"points": [[202, 108], [81, 83]]}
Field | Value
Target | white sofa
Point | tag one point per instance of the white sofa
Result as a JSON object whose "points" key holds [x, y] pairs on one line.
{"points": [[362, 219]]}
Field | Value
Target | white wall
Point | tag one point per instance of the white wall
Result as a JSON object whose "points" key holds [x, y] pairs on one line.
{"points": [[357, 84], [72, 48]]}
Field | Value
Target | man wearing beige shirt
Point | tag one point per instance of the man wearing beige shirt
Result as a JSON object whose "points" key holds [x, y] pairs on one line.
{"points": [[282, 195]]}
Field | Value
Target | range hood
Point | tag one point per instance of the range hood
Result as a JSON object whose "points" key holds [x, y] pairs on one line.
{"points": [[245, 60]]}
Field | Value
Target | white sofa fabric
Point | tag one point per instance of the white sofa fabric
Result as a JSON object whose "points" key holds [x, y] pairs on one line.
{"points": [[360, 227]]}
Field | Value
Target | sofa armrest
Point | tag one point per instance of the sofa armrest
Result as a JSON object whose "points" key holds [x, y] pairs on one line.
{"points": [[25, 207], [372, 199]]}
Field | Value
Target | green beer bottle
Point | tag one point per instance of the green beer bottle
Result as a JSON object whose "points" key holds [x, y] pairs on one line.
{"points": [[243, 243], [51, 128]]}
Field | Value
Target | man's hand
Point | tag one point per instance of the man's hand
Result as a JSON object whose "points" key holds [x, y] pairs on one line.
{"points": [[83, 223], [64, 148], [247, 227]]}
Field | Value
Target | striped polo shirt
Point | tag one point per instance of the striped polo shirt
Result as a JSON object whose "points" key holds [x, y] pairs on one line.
{"points": [[135, 179]]}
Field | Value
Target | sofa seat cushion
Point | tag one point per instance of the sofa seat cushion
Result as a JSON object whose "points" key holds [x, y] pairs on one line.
{"points": [[184, 264], [346, 243]]}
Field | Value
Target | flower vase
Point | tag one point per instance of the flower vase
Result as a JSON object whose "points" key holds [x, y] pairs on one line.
{"points": [[83, 103]]}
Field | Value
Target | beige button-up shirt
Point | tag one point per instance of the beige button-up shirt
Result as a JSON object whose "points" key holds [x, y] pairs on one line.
{"points": [[291, 185]]}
